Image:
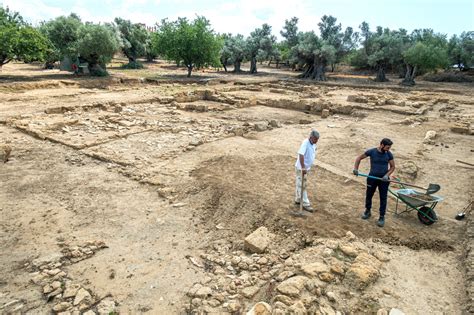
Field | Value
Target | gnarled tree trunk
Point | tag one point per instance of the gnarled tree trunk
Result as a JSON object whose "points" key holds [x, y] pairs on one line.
{"points": [[318, 73], [253, 65], [410, 74], [237, 65], [190, 69], [381, 74], [224, 63]]}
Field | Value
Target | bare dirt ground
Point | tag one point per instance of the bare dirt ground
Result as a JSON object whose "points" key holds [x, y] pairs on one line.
{"points": [[134, 193]]}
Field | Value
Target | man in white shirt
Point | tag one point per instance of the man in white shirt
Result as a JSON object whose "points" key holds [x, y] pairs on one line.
{"points": [[304, 161]]}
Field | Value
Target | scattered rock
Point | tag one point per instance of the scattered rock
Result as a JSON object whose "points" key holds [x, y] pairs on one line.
{"points": [[298, 309], [364, 270], [275, 123], [203, 292], [260, 126], [396, 311], [61, 307], [325, 113], [106, 307], [331, 296], [82, 295], [233, 306], [261, 308], [357, 99], [5, 151], [326, 277], [429, 137], [258, 241], [315, 268], [292, 286], [249, 292], [409, 169], [348, 250], [71, 290], [305, 121], [462, 128], [350, 236], [382, 311], [284, 299]]}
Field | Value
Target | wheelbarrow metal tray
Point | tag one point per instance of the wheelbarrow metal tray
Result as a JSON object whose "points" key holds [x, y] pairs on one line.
{"points": [[415, 198]]}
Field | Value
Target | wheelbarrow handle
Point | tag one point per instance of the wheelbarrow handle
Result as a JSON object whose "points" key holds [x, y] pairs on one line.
{"points": [[391, 181]]}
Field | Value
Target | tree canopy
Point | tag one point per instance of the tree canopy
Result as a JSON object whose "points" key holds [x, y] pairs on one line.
{"points": [[97, 45], [18, 40], [134, 40], [259, 44], [192, 42]]}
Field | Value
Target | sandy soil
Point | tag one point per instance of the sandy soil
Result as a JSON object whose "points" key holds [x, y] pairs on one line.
{"points": [[165, 170]]}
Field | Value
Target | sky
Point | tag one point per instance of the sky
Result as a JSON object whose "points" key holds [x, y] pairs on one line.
{"points": [[243, 16]]}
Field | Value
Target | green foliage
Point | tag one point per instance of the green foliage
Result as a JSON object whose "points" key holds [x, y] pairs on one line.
{"points": [[259, 45], [290, 32], [358, 59], [314, 54], [97, 45], [133, 65], [134, 39], [63, 34], [461, 50], [20, 41], [233, 50], [193, 43], [426, 56]]}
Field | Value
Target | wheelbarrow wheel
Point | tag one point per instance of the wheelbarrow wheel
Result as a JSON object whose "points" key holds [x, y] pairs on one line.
{"points": [[427, 215]]}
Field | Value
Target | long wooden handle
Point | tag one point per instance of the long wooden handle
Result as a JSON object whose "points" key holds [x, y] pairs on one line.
{"points": [[392, 181], [459, 161], [302, 190]]}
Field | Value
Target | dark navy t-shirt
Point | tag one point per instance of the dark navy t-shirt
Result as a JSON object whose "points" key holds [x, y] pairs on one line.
{"points": [[378, 162]]}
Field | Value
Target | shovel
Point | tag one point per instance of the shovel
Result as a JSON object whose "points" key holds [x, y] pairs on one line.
{"points": [[301, 212], [432, 188], [462, 215]]}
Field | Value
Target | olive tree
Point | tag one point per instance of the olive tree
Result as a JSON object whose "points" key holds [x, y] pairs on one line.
{"points": [[313, 54], [134, 40], [63, 34], [461, 50], [259, 44], [428, 51], [97, 44], [385, 49]]}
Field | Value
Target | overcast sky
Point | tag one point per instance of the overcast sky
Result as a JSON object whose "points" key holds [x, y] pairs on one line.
{"points": [[242, 16]]}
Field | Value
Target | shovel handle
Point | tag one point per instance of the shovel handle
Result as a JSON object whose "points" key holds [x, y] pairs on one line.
{"points": [[302, 190], [391, 181]]}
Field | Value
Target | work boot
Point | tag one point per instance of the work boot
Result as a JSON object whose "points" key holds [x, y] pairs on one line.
{"points": [[381, 222], [366, 215], [308, 208]]}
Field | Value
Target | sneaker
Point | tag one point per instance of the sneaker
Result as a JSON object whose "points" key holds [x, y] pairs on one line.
{"points": [[366, 215], [308, 208], [381, 222]]}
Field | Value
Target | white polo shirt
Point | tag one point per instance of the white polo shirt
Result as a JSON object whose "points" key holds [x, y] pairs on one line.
{"points": [[308, 150]]}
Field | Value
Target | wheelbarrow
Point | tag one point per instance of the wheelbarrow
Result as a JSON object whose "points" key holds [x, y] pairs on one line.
{"points": [[423, 203]]}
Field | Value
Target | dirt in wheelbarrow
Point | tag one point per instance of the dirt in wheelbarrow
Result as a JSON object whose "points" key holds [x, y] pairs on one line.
{"points": [[424, 197]]}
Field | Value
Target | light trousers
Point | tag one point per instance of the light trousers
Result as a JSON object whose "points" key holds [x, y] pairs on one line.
{"points": [[300, 180]]}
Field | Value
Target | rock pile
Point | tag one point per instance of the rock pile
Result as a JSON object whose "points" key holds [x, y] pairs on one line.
{"points": [[66, 295], [316, 279]]}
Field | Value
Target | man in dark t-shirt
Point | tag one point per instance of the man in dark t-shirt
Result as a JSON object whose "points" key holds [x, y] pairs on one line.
{"points": [[382, 166]]}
